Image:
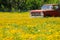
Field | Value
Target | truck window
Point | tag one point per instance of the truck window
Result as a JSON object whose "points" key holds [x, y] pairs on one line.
{"points": [[55, 7], [46, 7]]}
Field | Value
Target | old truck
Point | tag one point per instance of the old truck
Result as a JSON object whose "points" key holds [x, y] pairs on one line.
{"points": [[51, 10]]}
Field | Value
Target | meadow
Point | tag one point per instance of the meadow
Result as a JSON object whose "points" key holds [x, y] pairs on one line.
{"points": [[20, 26]]}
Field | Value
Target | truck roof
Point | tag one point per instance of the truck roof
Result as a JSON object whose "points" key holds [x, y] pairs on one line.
{"points": [[51, 4]]}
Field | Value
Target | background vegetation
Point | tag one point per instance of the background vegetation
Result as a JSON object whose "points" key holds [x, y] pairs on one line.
{"points": [[23, 5]]}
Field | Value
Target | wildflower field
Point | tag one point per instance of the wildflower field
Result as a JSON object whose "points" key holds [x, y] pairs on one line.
{"points": [[20, 26]]}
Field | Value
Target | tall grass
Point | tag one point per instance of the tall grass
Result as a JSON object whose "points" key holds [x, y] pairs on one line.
{"points": [[20, 26]]}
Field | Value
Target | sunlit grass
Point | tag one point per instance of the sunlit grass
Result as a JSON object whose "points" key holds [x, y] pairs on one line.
{"points": [[20, 26]]}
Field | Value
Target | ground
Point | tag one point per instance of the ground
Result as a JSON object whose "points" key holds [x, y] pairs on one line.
{"points": [[20, 26]]}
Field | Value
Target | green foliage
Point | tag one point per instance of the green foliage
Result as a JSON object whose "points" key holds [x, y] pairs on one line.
{"points": [[23, 5]]}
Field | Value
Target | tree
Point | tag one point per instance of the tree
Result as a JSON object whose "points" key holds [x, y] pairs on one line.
{"points": [[23, 5]]}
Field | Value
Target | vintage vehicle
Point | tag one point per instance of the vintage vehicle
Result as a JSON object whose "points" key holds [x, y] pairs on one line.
{"points": [[52, 10]]}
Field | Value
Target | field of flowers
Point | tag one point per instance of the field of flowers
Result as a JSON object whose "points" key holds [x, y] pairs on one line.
{"points": [[20, 26]]}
